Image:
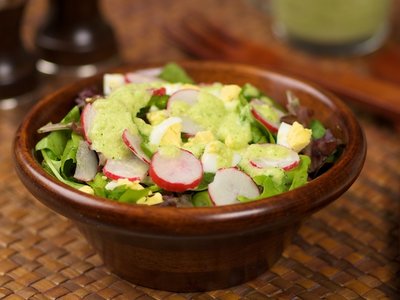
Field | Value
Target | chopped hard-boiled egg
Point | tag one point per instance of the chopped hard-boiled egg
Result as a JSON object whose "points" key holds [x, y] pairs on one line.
{"points": [[171, 88], [230, 92], [134, 185], [87, 189], [293, 136], [168, 132], [217, 155], [154, 199], [112, 82], [197, 143], [157, 116]]}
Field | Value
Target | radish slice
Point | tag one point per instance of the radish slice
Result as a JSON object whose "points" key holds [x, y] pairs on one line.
{"points": [[271, 122], [230, 183], [87, 118], [277, 156], [133, 141], [131, 168], [190, 127], [86, 162], [190, 97], [177, 173]]}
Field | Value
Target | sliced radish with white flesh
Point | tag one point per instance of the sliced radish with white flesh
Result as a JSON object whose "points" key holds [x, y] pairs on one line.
{"points": [[179, 172], [87, 118], [230, 183], [86, 162], [271, 120], [190, 97], [133, 142], [131, 168], [277, 156]]}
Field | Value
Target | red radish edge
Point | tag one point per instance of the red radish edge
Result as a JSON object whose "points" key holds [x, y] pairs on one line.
{"points": [[132, 169], [159, 92], [133, 143], [286, 163], [188, 96], [176, 174], [88, 114], [272, 127]]}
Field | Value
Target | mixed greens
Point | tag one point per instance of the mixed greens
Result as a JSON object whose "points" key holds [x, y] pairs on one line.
{"points": [[155, 137]]}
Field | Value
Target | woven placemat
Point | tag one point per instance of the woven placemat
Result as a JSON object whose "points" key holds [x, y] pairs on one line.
{"points": [[348, 250]]}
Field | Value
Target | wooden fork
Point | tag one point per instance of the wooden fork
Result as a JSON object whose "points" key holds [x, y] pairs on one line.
{"points": [[204, 39]]}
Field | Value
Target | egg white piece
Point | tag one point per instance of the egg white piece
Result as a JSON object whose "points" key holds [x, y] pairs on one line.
{"points": [[282, 136], [159, 130], [111, 82], [294, 136]]}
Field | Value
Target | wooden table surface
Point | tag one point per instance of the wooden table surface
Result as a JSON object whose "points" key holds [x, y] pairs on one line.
{"points": [[348, 250]]}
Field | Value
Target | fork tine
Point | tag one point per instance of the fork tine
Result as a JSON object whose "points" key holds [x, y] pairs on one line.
{"points": [[206, 37], [211, 26], [184, 41]]}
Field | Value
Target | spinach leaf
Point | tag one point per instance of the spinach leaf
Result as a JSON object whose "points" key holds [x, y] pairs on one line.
{"points": [[68, 159], [299, 175], [98, 184], [132, 196], [201, 199], [174, 73], [159, 101], [54, 167], [207, 179], [270, 188], [318, 130], [72, 116], [54, 142], [249, 92]]}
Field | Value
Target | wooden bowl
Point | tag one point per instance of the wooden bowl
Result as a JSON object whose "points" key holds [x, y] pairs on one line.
{"points": [[194, 249]]}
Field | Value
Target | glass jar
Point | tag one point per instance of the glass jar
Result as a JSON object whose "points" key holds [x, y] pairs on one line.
{"points": [[332, 26]]}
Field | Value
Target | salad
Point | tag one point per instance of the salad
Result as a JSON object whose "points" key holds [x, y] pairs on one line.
{"points": [[155, 137]]}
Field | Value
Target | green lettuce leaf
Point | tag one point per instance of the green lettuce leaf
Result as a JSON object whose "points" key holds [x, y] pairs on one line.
{"points": [[174, 73], [201, 199], [54, 167], [299, 175]]}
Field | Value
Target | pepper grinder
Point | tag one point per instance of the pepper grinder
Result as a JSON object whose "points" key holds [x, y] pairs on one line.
{"points": [[75, 39], [17, 65]]}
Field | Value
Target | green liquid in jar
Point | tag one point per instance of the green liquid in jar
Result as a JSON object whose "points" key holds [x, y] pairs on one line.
{"points": [[331, 21]]}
